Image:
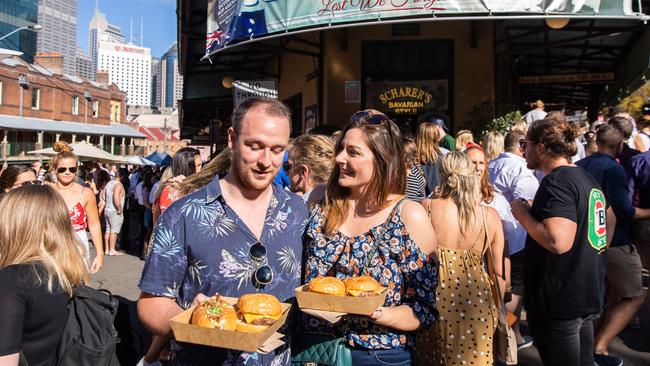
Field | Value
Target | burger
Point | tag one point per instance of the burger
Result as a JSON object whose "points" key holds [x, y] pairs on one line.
{"points": [[214, 313], [362, 286], [327, 285], [256, 312]]}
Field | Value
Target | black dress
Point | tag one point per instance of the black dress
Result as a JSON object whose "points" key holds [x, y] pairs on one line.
{"points": [[31, 317]]}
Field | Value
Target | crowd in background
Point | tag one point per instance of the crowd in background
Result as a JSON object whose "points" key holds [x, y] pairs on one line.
{"points": [[462, 230]]}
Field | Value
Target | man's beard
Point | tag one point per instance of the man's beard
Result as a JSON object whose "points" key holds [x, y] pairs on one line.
{"points": [[246, 178]]}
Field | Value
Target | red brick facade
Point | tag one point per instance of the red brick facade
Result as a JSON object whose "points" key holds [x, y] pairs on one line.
{"points": [[56, 96]]}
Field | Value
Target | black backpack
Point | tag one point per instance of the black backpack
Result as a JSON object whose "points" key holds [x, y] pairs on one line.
{"points": [[89, 337]]}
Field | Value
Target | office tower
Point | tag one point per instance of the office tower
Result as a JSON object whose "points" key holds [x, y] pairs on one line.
{"points": [[59, 21], [128, 66], [100, 29], [16, 14], [84, 65], [156, 101], [170, 82]]}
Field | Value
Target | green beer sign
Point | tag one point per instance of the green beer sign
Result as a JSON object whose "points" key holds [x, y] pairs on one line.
{"points": [[597, 230]]}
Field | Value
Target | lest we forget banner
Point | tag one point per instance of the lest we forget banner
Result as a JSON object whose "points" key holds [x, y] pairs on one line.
{"points": [[232, 21]]}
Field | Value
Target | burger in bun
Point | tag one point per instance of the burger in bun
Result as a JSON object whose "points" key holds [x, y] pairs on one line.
{"points": [[362, 286], [214, 313], [257, 312], [327, 285]]}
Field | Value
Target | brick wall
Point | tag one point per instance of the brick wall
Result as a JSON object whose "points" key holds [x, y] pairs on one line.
{"points": [[56, 93]]}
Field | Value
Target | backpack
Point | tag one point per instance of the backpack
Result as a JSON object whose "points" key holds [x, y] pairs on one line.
{"points": [[89, 337]]}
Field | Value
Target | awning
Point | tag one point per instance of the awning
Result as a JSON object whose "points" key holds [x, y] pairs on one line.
{"points": [[84, 150], [47, 125]]}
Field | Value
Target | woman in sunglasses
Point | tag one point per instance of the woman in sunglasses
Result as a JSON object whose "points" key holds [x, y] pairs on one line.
{"points": [[365, 226], [17, 176], [81, 202]]}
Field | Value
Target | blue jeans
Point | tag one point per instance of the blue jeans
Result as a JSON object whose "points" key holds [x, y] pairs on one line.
{"points": [[371, 357]]}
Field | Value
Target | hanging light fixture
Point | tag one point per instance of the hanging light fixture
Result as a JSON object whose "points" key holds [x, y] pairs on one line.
{"points": [[557, 23], [227, 82]]}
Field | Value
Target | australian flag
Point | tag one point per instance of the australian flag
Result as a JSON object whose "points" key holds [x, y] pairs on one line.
{"points": [[250, 24]]}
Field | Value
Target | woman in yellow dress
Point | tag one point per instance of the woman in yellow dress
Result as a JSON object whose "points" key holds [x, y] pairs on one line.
{"points": [[463, 334]]}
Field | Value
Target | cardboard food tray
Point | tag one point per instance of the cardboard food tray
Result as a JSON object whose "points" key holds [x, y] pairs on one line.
{"points": [[261, 342], [340, 304]]}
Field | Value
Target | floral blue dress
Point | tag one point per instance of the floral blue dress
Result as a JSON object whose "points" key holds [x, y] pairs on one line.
{"points": [[392, 258]]}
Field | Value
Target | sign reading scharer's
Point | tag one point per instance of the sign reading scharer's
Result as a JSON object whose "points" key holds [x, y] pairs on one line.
{"points": [[242, 89]]}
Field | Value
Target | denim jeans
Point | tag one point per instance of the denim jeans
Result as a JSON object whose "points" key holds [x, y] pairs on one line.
{"points": [[563, 342], [395, 357]]}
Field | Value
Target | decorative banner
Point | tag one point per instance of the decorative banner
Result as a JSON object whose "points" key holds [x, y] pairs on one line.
{"points": [[407, 97], [231, 21]]}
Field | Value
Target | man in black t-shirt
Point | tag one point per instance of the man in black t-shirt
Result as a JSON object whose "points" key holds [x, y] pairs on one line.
{"points": [[567, 235]]}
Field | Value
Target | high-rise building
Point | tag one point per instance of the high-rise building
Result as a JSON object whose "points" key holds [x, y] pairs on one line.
{"points": [[84, 65], [169, 81], [59, 21], [100, 29], [128, 66], [16, 14], [155, 82]]}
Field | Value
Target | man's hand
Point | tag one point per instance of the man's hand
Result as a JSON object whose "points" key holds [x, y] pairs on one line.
{"points": [[520, 208]]}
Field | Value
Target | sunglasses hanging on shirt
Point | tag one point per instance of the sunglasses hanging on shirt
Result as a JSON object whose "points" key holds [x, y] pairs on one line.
{"points": [[263, 275]]}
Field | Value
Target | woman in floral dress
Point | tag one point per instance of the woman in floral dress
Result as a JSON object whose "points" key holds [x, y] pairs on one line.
{"points": [[365, 226]]}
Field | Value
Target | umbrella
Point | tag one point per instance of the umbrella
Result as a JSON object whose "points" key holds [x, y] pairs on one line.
{"points": [[84, 151], [160, 158], [138, 160]]}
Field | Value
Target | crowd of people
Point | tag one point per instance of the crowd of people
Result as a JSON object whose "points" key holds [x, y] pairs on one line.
{"points": [[460, 231]]}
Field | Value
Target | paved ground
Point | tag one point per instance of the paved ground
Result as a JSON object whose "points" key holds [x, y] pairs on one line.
{"points": [[120, 275]]}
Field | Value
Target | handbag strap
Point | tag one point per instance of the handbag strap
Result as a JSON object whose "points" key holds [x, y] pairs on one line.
{"points": [[490, 257]]}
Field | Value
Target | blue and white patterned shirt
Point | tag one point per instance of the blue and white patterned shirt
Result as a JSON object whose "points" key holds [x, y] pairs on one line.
{"points": [[200, 245]]}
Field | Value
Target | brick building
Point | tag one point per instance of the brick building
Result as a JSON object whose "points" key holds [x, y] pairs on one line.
{"points": [[57, 106]]}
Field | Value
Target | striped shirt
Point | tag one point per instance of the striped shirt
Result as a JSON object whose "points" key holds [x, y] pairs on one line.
{"points": [[415, 185]]}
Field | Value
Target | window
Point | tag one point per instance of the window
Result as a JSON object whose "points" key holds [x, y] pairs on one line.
{"points": [[0, 92], [95, 108], [75, 105], [36, 98]]}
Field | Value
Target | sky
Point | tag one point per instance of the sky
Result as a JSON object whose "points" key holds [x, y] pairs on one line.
{"points": [[159, 18]]}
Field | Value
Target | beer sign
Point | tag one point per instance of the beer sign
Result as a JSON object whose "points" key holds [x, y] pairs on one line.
{"points": [[407, 97], [597, 231]]}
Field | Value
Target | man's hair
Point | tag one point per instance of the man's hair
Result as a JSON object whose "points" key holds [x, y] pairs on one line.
{"points": [[559, 137], [556, 115], [272, 107], [511, 142], [609, 136], [622, 124]]}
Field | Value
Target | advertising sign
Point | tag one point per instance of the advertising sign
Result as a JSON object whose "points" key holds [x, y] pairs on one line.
{"points": [[232, 21], [407, 97], [244, 89]]}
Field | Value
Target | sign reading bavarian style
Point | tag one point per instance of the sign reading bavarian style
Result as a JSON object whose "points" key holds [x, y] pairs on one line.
{"points": [[407, 97], [244, 89], [231, 21]]}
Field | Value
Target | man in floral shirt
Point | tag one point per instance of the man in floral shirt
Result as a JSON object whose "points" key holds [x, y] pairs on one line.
{"points": [[238, 235]]}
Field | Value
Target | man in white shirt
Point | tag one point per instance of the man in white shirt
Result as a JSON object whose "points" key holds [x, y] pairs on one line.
{"points": [[536, 113], [512, 178]]}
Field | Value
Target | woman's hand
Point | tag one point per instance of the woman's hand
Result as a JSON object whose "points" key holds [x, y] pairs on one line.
{"points": [[98, 263], [399, 317]]}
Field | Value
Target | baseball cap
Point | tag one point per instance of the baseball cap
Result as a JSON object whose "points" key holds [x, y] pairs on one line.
{"points": [[440, 122]]}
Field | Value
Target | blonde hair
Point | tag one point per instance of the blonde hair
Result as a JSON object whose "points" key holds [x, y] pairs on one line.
{"points": [[316, 152], [493, 145], [462, 138], [64, 152], [220, 164], [30, 234], [427, 141], [458, 182], [520, 126]]}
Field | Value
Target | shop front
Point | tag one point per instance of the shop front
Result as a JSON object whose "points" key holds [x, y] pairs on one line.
{"points": [[410, 61]]}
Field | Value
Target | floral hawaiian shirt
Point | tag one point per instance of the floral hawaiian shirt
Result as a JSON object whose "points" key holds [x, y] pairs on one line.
{"points": [[392, 258], [200, 245]]}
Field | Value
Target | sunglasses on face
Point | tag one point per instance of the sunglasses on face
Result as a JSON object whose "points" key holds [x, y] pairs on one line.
{"points": [[523, 143], [72, 169], [263, 275]]}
